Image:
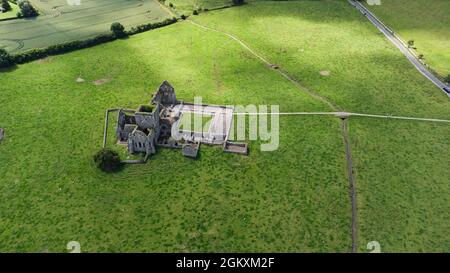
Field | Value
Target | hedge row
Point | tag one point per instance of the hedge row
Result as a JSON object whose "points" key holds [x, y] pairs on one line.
{"points": [[146, 27], [39, 53]]}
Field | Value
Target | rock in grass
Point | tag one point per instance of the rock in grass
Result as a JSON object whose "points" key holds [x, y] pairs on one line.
{"points": [[325, 73], [79, 80]]}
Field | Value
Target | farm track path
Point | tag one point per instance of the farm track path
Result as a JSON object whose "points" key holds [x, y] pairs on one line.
{"points": [[352, 184], [325, 100], [272, 66]]}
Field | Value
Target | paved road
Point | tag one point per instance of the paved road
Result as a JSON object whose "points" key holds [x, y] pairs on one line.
{"points": [[398, 43]]}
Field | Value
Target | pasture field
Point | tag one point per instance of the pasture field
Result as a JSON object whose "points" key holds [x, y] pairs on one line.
{"points": [[403, 184], [294, 199], [400, 166], [427, 22], [61, 22]]}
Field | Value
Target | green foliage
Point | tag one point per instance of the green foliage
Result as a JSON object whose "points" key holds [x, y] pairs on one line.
{"points": [[5, 5], [5, 59], [118, 29], [238, 2], [188, 6], [150, 26], [195, 12], [107, 160], [447, 79], [26, 9]]}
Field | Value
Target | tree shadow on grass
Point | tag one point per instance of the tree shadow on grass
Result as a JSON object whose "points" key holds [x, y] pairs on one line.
{"points": [[9, 69]]}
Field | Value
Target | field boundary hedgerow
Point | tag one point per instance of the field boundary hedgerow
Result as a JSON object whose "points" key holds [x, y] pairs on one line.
{"points": [[39, 53]]}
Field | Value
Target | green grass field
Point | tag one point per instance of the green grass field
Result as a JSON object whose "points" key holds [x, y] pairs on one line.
{"points": [[220, 202], [424, 21], [367, 74], [67, 23], [403, 184], [294, 199], [11, 13]]}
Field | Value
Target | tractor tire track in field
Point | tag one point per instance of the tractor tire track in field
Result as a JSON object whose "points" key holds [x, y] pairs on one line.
{"points": [[352, 183], [331, 104]]}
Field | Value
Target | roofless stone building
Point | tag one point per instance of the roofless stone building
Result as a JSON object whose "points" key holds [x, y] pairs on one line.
{"points": [[160, 124]]}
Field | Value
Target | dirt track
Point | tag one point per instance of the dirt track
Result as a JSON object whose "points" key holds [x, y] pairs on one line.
{"points": [[325, 100]]}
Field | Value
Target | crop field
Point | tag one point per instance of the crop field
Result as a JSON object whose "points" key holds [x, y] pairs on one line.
{"points": [[293, 199], [60, 22], [431, 33]]}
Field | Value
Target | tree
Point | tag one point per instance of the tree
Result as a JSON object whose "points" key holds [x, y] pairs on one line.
{"points": [[26, 9], [411, 43], [5, 5], [238, 2], [107, 160], [447, 79], [5, 59], [118, 29]]}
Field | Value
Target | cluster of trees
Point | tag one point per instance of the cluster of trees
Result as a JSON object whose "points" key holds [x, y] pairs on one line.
{"points": [[107, 160], [26, 9], [5, 59], [118, 30], [5, 5]]}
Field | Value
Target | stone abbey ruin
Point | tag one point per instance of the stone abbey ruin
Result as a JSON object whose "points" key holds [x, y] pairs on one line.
{"points": [[166, 122]]}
